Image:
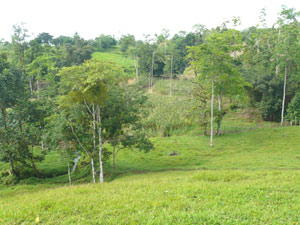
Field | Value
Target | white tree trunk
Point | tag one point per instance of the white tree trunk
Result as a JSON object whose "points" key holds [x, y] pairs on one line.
{"points": [[100, 144], [212, 113], [93, 170], [31, 88], [69, 173], [283, 97], [94, 127]]}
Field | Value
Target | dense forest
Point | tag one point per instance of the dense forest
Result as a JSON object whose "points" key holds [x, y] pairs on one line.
{"points": [[56, 94]]}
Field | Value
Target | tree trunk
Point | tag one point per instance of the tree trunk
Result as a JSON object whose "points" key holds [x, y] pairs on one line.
{"points": [[136, 68], [12, 168], [31, 88], [69, 173], [94, 127], [283, 97], [38, 88], [93, 170], [94, 139], [212, 112], [277, 69], [114, 158], [34, 168], [171, 75], [151, 73], [100, 145]]}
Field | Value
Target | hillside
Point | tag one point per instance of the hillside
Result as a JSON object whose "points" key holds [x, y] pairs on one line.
{"points": [[115, 55]]}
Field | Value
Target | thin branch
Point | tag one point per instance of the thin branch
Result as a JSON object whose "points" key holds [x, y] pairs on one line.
{"points": [[88, 108], [79, 142]]}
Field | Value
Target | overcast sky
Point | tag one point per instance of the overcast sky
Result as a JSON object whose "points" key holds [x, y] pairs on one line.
{"points": [[116, 17]]}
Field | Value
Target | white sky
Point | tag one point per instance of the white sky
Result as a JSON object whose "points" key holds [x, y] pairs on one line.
{"points": [[116, 17]]}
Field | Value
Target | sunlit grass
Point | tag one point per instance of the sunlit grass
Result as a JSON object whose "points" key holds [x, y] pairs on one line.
{"points": [[194, 197]]}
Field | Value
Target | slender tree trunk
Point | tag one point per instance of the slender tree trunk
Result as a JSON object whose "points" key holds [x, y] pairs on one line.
{"points": [[31, 88], [212, 112], [136, 68], [100, 144], [38, 88], [114, 158], [34, 167], [69, 173], [277, 69], [12, 168], [171, 75], [283, 97], [93, 170], [151, 73], [94, 127], [94, 139]]}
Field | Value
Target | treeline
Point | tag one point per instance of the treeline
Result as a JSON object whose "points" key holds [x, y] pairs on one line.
{"points": [[53, 96]]}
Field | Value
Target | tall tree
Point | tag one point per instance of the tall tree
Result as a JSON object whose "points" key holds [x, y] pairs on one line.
{"points": [[288, 47], [86, 89], [212, 61]]}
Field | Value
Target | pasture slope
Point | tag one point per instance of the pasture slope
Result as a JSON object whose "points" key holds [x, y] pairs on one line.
{"points": [[246, 178]]}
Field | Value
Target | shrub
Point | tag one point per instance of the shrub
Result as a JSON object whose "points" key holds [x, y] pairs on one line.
{"points": [[9, 180]]}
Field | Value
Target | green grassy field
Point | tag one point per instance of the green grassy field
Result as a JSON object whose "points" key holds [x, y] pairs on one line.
{"points": [[195, 197], [246, 178], [114, 55]]}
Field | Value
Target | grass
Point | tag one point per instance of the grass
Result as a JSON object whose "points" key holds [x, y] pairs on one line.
{"points": [[197, 197], [115, 56], [267, 148], [246, 178]]}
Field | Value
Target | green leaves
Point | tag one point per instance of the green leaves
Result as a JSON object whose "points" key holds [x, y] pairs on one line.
{"points": [[88, 82]]}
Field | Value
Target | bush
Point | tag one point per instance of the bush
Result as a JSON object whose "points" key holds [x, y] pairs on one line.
{"points": [[294, 108], [9, 180], [3, 174]]}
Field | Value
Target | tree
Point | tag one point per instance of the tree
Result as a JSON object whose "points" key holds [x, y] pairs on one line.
{"points": [[84, 94], [22, 121], [72, 50], [288, 47], [121, 119], [104, 42], [41, 68], [126, 41], [212, 61], [294, 108]]}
